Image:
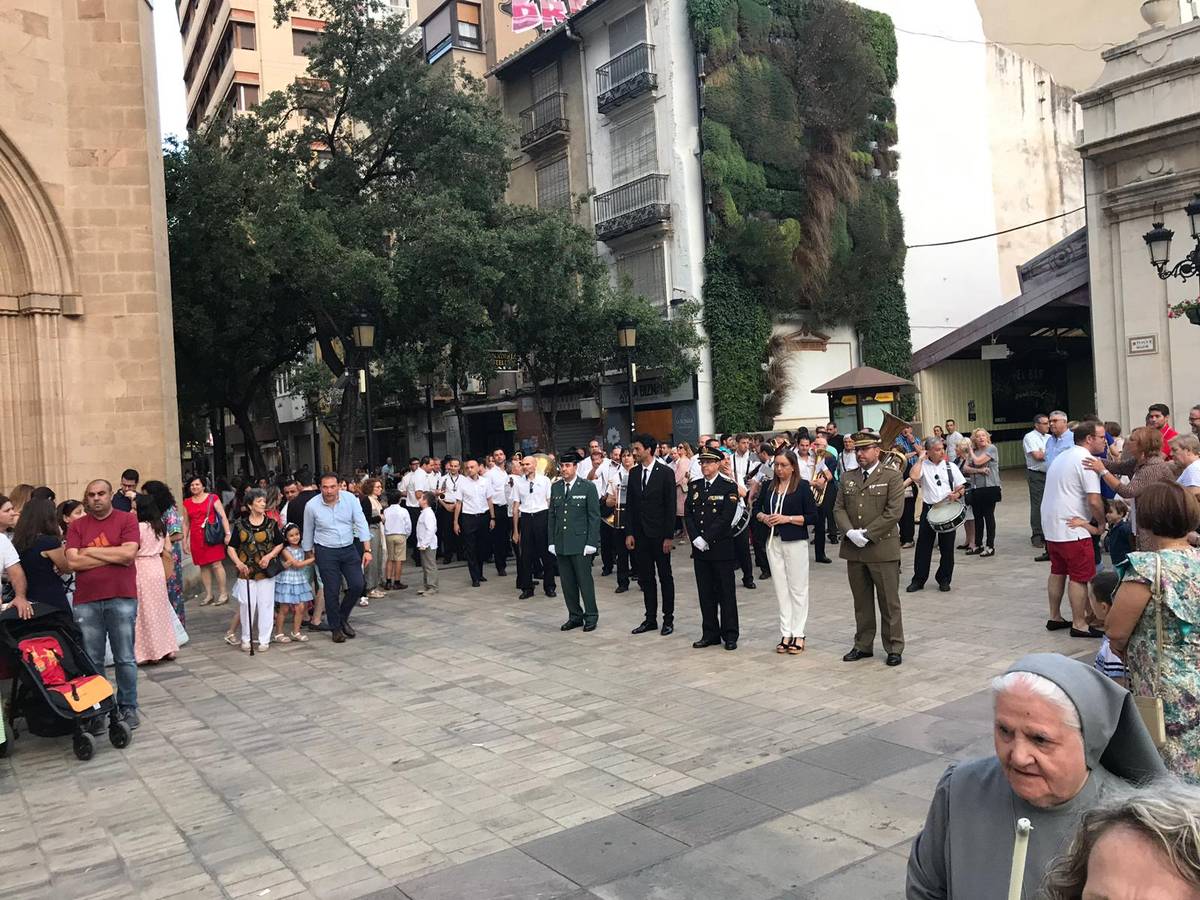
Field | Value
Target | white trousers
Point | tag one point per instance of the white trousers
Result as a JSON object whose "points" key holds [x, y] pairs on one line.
{"points": [[259, 596], [789, 574]]}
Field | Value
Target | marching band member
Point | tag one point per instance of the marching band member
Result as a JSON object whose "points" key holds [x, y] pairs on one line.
{"points": [[940, 480], [617, 501], [448, 496], [599, 475], [500, 484], [742, 466], [474, 518], [531, 528]]}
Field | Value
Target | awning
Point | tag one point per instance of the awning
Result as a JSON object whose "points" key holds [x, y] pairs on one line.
{"points": [[863, 378]]}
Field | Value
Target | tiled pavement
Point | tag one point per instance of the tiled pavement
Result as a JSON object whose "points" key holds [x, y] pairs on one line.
{"points": [[462, 747]]}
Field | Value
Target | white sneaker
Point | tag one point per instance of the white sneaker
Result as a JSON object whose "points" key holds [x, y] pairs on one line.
{"points": [[377, 594], [364, 602], [263, 648], [245, 646]]}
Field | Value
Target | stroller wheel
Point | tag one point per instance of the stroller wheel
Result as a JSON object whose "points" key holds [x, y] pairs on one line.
{"points": [[85, 746], [120, 734]]}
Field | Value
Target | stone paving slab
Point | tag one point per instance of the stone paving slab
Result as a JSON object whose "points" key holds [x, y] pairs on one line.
{"points": [[462, 735]]}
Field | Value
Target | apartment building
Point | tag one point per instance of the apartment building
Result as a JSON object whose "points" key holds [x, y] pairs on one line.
{"points": [[607, 102]]}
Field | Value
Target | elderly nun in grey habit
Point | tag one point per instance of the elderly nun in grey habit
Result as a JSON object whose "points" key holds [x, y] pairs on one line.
{"points": [[1065, 737]]}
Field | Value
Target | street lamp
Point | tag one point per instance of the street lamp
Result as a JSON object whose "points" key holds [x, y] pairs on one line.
{"points": [[427, 382], [627, 339], [1158, 242], [363, 333]]}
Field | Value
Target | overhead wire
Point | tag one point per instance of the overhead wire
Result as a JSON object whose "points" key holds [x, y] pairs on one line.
{"points": [[954, 40], [980, 237]]}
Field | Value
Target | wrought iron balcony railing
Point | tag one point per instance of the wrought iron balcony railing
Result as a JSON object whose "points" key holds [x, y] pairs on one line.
{"points": [[544, 124], [624, 77], [642, 202]]}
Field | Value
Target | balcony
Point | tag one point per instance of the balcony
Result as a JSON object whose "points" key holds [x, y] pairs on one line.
{"points": [[626, 77], [544, 125], [632, 206]]}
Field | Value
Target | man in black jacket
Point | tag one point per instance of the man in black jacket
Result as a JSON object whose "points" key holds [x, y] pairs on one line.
{"points": [[650, 518], [711, 507]]}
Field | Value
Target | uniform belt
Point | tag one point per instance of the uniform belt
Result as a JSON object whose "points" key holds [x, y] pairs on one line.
{"points": [[540, 512]]}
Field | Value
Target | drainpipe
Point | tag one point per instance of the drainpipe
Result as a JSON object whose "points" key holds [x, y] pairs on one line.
{"points": [[587, 112]]}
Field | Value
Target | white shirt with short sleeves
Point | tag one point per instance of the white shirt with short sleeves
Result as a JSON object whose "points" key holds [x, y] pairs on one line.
{"points": [[8, 553], [1033, 442], [1190, 477], [473, 493], [532, 495], [1067, 485], [938, 481]]}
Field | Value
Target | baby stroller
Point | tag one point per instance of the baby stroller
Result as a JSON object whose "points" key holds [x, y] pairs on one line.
{"points": [[57, 688]]}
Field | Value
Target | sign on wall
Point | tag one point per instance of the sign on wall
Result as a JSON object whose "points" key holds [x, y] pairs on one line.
{"points": [[1143, 344], [530, 14]]}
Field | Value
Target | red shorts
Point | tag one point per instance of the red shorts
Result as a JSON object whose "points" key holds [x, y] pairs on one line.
{"points": [[1075, 559]]}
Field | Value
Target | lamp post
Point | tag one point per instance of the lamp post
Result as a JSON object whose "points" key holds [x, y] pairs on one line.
{"points": [[363, 333], [627, 339], [1158, 241], [428, 383]]}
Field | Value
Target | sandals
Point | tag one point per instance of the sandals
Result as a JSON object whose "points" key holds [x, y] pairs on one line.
{"points": [[795, 649], [364, 602], [206, 601], [232, 639], [782, 646], [281, 638], [975, 551], [222, 600], [297, 636], [988, 551]]}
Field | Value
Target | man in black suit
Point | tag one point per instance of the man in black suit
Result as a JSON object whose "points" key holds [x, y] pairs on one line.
{"points": [[650, 518], [712, 505]]}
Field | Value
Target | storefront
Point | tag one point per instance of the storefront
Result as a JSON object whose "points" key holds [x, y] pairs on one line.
{"points": [[668, 412]]}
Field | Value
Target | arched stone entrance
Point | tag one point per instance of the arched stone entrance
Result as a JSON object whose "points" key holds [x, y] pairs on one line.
{"points": [[37, 288]]}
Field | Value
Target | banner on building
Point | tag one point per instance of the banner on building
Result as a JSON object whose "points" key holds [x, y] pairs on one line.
{"points": [[529, 14], [525, 15]]}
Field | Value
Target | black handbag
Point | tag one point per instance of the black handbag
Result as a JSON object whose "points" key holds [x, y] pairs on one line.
{"points": [[214, 531]]}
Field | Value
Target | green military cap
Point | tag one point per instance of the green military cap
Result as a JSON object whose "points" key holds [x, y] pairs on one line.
{"points": [[866, 438]]}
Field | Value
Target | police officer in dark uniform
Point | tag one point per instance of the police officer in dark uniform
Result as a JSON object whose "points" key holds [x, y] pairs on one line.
{"points": [[712, 506]]}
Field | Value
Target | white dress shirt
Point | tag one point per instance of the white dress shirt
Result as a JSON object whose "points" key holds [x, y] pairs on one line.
{"points": [[532, 495], [1033, 442], [604, 474], [742, 464], [694, 470], [937, 481], [427, 530], [450, 485], [497, 480], [473, 494]]}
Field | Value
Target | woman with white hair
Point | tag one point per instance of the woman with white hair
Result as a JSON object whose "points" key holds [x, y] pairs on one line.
{"points": [[1066, 737], [1142, 844]]}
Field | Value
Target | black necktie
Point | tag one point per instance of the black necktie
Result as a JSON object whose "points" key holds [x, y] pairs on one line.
{"points": [[645, 478]]}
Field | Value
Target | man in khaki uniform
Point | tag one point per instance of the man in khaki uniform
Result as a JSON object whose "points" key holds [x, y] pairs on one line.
{"points": [[867, 510]]}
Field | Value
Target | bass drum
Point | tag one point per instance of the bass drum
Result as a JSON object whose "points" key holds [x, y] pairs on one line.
{"points": [[741, 521], [947, 515]]}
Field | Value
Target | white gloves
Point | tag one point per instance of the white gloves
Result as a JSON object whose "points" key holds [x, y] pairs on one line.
{"points": [[700, 544], [588, 549], [551, 549], [858, 536]]}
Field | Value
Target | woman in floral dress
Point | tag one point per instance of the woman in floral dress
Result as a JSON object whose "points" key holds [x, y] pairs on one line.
{"points": [[173, 523], [154, 629], [1169, 578]]}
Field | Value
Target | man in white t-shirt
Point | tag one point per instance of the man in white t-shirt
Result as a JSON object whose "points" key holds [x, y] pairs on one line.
{"points": [[1072, 496], [940, 481], [1034, 445], [1185, 449], [10, 565]]}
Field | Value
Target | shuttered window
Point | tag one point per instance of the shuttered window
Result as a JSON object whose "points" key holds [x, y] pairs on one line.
{"points": [[554, 185], [634, 153], [646, 273]]}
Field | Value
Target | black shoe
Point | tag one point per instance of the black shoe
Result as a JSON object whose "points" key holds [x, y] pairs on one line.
{"points": [[590, 627], [644, 627], [474, 584], [1090, 633], [893, 659], [338, 637], [621, 589], [855, 655], [913, 588], [568, 625], [348, 630], [667, 629], [129, 715], [1044, 557], [525, 594], [401, 586], [481, 578], [605, 572], [503, 573], [944, 587], [1038, 542], [1057, 624], [824, 559], [748, 584], [731, 645], [764, 576], [551, 593], [705, 642], [95, 725]]}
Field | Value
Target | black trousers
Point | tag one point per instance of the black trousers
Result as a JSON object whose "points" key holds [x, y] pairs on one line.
{"points": [[983, 503], [827, 512], [476, 540], [534, 551], [608, 544], [741, 546], [449, 543], [625, 558], [651, 560], [501, 535], [758, 539], [718, 601], [908, 525], [414, 513], [923, 558]]}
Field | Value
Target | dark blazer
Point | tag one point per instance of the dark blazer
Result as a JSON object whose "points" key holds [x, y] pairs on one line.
{"points": [[799, 502], [650, 513], [710, 512]]}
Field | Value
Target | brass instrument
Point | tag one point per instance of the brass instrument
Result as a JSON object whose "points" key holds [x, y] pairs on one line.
{"points": [[889, 456], [613, 519]]}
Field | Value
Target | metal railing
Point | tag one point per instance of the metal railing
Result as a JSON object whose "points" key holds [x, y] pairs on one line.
{"points": [[631, 206], [545, 118], [626, 76]]}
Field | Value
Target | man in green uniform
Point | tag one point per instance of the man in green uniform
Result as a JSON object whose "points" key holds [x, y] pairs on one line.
{"points": [[867, 510], [574, 537]]}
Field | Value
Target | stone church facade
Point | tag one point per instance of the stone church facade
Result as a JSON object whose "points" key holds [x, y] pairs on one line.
{"points": [[87, 371]]}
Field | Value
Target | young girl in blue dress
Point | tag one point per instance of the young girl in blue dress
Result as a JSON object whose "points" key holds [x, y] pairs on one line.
{"points": [[293, 589]]}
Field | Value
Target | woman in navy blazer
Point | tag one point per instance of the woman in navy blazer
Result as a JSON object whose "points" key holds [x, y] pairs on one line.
{"points": [[786, 506]]}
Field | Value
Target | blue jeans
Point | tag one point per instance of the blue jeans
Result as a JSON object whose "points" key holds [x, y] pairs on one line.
{"points": [[334, 564], [112, 620]]}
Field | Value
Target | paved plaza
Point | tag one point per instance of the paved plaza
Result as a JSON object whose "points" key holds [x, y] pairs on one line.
{"points": [[463, 747]]}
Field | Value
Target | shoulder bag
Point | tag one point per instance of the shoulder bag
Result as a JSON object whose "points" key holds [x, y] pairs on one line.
{"points": [[214, 531], [1151, 708]]}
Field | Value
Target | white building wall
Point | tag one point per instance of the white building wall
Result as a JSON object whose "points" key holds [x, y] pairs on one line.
{"points": [[808, 368]]}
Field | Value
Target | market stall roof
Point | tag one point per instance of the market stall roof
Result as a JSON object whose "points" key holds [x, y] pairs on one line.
{"points": [[863, 378]]}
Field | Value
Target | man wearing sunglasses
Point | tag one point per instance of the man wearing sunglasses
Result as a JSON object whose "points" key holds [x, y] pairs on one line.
{"points": [[941, 482]]}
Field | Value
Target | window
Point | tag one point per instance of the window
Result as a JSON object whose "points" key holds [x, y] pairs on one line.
{"points": [[437, 34], [302, 40], [626, 32], [469, 34], [646, 272], [634, 153], [545, 81], [245, 96], [243, 35], [457, 24], [554, 185]]}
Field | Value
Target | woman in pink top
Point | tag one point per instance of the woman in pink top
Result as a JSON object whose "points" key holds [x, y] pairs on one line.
{"points": [[154, 630]]}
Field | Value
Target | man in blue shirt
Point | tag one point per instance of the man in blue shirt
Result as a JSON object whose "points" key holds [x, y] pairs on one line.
{"points": [[1060, 437], [336, 531]]}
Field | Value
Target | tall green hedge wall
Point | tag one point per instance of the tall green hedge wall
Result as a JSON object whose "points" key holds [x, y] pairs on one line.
{"points": [[798, 131]]}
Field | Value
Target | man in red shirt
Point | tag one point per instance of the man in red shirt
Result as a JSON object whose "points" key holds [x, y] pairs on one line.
{"points": [[1159, 416], [101, 549]]}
